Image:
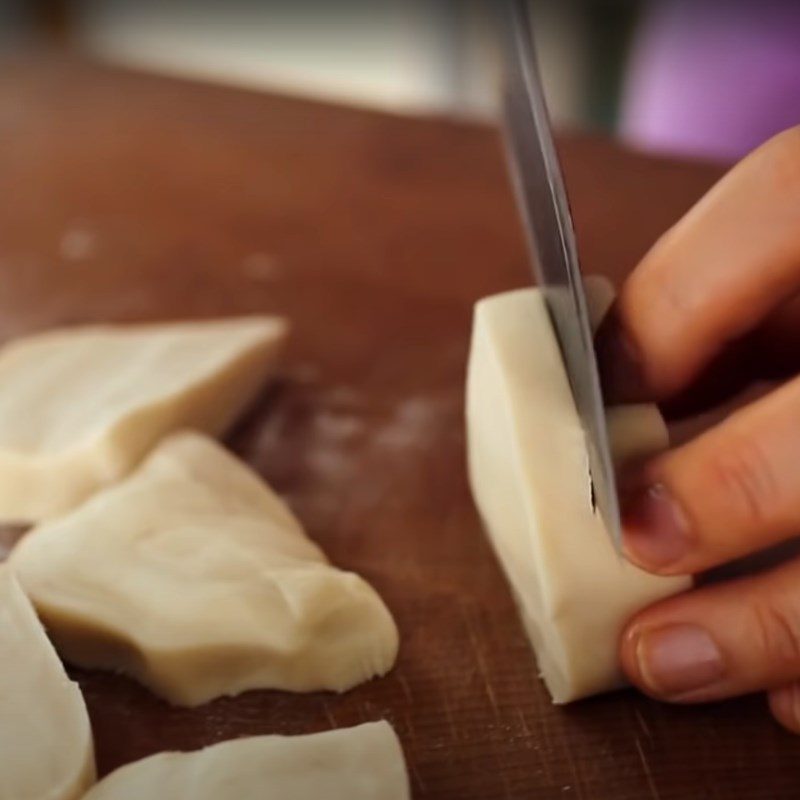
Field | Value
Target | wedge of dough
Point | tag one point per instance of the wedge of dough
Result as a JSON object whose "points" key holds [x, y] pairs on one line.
{"points": [[361, 763], [193, 577], [80, 407], [46, 748], [529, 476]]}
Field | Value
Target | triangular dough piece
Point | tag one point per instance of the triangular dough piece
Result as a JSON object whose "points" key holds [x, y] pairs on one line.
{"points": [[361, 763], [79, 407], [46, 748], [528, 471], [194, 577]]}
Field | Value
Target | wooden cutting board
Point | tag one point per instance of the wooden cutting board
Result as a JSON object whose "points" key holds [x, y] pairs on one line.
{"points": [[128, 197]]}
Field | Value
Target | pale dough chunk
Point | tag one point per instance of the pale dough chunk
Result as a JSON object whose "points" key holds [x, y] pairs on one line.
{"points": [[529, 475], [79, 407], [361, 763], [635, 431], [46, 748], [193, 577]]}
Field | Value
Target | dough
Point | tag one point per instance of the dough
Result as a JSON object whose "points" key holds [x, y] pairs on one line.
{"points": [[528, 471], [361, 763], [193, 577], [45, 738], [80, 407]]}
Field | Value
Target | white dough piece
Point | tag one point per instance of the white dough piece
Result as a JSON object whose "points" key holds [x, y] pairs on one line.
{"points": [[361, 763], [528, 470], [79, 407], [193, 577], [635, 431], [46, 750]]}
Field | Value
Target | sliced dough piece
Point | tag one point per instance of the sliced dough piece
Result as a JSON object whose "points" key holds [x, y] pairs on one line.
{"points": [[528, 470], [361, 763], [193, 577], [46, 750], [635, 431], [80, 407]]}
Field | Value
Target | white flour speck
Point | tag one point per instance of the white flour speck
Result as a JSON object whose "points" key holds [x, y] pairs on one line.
{"points": [[329, 465], [334, 427], [77, 244], [261, 267], [344, 396], [305, 372], [415, 423]]}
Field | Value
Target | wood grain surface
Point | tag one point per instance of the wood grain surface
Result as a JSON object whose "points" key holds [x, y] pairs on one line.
{"points": [[131, 197]]}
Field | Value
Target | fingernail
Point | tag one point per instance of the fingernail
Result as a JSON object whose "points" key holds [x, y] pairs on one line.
{"points": [[678, 659], [656, 530], [619, 362]]}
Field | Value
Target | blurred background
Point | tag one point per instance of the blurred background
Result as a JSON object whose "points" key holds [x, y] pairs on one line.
{"points": [[701, 78]]}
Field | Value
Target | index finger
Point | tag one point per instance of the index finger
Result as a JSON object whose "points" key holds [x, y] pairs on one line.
{"points": [[710, 279]]}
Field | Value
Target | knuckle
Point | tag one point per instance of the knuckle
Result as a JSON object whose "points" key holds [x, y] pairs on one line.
{"points": [[778, 636], [657, 315], [667, 299], [743, 473], [674, 304]]}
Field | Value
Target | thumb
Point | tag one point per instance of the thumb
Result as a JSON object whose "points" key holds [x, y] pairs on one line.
{"points": [[719, 641]]}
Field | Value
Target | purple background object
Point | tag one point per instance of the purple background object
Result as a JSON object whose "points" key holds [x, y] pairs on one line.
{"points": [[712, 79]]}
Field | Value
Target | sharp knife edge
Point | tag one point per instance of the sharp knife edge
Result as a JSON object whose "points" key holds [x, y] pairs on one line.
{"points": [[548, 226]]}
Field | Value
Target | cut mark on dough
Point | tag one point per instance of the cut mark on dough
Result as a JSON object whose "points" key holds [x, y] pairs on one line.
{"points": [[589, 476]]}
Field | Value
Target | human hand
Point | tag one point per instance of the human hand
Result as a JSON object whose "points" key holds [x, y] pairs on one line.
{"points": [[718, 289]]}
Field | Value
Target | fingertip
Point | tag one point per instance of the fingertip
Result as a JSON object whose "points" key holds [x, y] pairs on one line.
{"points": [[784, 704], [678, 662], [720, 641], [628, 659], [656, 531], [632, 657]]}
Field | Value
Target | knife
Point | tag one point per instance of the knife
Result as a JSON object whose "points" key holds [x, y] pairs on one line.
{"points": [[543, 206]]}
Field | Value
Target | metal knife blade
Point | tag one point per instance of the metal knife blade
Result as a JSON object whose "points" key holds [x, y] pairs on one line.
{"points": [[543, 205]]}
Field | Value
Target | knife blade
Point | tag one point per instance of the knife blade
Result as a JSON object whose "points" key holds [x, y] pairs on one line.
{"points": [[544, 208]]}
